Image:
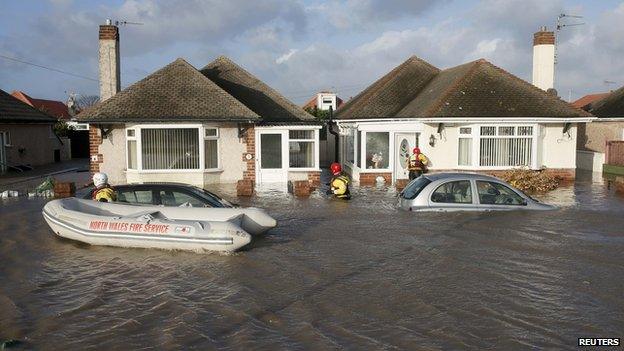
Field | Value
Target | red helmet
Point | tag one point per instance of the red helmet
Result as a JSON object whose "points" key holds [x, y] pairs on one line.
{"points": [[416, 150], [335, 168]]}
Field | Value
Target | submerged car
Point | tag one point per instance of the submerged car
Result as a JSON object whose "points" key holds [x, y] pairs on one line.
{"points": [[464, 192], [168, 194]]}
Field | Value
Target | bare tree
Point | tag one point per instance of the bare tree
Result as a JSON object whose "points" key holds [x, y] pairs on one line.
{"points": [[86, 101]]}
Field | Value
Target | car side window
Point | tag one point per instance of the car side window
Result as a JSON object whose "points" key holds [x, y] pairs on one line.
{"points": [[177, 198], [126, 196], [457, 192], [492, 193], [143, 197]]}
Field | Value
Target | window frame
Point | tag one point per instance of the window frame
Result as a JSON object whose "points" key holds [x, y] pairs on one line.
{"points": [[201, 130], [477, 137], [128, 139], [364, 145], [312, 140], [203, 147]]}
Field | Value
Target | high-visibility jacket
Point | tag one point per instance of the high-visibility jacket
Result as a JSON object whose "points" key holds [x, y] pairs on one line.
{"points": [[340, 185], [105, 194], [417, 162]]}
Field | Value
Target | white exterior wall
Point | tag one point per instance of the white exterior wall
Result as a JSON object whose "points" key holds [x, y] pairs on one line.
{"points": [[544, 66], [443, 155], [113, 150], [558, 149]]}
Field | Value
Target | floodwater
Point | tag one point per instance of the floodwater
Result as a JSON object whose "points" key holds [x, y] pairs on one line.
{"points": [[333, 275]]}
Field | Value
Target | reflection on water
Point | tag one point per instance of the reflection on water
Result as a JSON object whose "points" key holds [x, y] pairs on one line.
{"points": [[333, 275]]}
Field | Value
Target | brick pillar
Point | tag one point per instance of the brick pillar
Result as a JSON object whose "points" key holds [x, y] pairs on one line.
{"points": [[250, 142], [96, 158], [314, 178]]}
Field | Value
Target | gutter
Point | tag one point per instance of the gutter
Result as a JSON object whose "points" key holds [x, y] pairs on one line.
{"points": [[144, 121], [609, 119], [472, 120]]}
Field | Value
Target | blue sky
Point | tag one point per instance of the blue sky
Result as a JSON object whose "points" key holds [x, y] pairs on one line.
{"points": [[300, 47]]}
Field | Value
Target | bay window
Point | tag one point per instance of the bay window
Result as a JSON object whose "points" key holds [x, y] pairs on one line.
{"points": [[172, 148], [496, 146], [377, 150], [506, 146], [164, 148]]}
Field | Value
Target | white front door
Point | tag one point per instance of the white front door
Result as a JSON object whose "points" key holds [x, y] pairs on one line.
{"points": [[403, 145], [271, 157]]}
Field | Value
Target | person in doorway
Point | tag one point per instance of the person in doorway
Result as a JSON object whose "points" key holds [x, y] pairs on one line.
{"points": [[417, 164], [102, 191], [339, 184]]}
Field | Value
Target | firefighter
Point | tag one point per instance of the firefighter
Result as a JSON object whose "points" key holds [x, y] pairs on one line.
{"points": [[339, 185], [102, 191], [417, 164]]}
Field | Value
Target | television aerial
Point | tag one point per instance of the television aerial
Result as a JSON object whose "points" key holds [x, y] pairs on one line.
{"points": [[562, 23], [110, 22]]}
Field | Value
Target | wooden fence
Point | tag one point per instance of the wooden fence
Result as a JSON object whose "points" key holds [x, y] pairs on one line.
{"points": [[615, 153]]}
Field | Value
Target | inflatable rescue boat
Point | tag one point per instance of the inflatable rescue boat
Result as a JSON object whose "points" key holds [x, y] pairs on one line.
{"points": [[173, 228]]}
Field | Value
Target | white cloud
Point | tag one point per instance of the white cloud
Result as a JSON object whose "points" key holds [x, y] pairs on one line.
{"points": [[286, 56]]}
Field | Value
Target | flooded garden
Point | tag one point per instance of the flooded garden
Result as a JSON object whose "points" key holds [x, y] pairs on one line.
{"points": [[333, 275]]}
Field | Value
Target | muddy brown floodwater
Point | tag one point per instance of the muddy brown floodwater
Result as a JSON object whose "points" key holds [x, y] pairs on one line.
{"points": [[333, 275]]}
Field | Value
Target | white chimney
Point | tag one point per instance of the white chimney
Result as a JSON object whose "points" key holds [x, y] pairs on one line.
{"points": [[110, 83], [544, 59]]}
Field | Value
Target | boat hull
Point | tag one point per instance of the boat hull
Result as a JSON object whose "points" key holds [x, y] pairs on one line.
{"points": [[142, 229]]}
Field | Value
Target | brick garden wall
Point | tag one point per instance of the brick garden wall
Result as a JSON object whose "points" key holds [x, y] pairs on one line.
{"points": [[314, 178], [367, 179]]}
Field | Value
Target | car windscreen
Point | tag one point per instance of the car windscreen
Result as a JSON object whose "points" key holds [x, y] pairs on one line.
{"points": [[213, 199], [415, 187]]}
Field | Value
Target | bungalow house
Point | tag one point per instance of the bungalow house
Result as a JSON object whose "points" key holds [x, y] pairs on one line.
{"points": [[26, 136], [473, 117], [608, 126], [219, 124]]}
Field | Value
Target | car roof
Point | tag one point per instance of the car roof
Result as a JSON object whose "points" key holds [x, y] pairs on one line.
{"points": [[148, 184], [460, 175]]}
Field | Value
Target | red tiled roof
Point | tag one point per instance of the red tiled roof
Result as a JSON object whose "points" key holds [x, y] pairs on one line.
{"points": [[52, 107], [588, 99]]}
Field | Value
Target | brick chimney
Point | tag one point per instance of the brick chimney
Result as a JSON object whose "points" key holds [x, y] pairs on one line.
{"points": [[544, 59], [110, 83]]}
